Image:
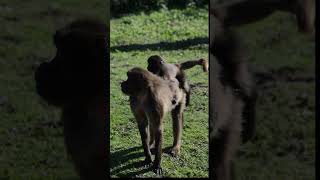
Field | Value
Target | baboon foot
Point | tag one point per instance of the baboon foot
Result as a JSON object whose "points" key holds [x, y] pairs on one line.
{"points": [[157, 169], [174, 151], [147, 162]]}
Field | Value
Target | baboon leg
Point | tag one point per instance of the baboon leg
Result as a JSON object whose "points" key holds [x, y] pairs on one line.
{"points": [[187, 89], [158, 131], [177, 124], [188, 93], [145, 136], [144, 133], [225, 128], [183, 84], [305, 13], [156, 124], [224, 147], [189, 64], [151, 142], [249, 114]]}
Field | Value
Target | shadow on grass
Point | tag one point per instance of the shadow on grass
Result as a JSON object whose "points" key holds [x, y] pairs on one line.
{"points": [[165, 46], [123, 156]]}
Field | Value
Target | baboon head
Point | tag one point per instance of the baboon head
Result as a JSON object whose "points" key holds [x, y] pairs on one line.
{"points": [[155, 63], [76, 71], [136, 83]]}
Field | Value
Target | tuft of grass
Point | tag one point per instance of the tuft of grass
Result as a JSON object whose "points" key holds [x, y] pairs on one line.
{"points": [[133, 39]]}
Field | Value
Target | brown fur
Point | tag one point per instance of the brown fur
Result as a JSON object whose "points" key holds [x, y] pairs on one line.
{"points": [[151, 97], [158, 66], [232, 90], [232, 102], [74, 81]]}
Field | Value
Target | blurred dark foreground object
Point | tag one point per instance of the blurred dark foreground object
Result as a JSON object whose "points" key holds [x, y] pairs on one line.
{"points": [[74, 81]]}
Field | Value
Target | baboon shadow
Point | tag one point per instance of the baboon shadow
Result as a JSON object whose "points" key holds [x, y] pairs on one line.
{"points": [[182, 44], [123, 156]]}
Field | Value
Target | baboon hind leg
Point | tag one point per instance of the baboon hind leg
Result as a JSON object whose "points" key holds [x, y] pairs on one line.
{"points": [[177, 125], [152, 138], [249, 118], [225, 142], [145, 135], [222, 152], [183, 84], [190, 64], [187, 89], [158, 131]]}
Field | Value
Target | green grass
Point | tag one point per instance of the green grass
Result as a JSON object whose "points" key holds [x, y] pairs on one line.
{"points": [[31, 136], [284, 146], [133, 39]]}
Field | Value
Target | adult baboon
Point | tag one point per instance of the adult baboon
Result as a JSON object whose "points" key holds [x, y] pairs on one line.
{"points": [[151, 97], [74, 81], [158, 66], [232, 90]]}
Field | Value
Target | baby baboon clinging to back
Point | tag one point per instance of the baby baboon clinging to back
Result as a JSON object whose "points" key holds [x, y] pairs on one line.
{"points": [[150, 99], [232, 91], [74, 81], [168, 71]]}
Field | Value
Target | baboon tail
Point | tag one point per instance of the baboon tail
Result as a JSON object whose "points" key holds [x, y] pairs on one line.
{"points": [[191, 64]]}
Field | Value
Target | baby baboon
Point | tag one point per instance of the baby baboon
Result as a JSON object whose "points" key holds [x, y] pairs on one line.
{"points": [[150, 99], [158, 66], [74, 81], [232, 91]]}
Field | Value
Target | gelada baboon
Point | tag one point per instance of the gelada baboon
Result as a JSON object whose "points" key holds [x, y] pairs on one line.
{"points": [[158, 66], [232, 89], [151, 97], [74, 81]]}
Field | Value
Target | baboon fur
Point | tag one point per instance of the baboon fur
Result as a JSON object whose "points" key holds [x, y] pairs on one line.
{"points": [[74, 81], [151, 98]]}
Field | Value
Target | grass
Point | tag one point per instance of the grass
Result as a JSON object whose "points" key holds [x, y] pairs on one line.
{"points": [[176, 35], [31, 136]]}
